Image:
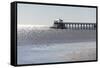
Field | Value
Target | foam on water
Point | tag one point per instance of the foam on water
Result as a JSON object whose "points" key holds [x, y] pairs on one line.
{"points": [[45, 35]]}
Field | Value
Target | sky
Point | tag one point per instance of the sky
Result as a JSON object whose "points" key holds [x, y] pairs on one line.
{"points": [[32, 14]]}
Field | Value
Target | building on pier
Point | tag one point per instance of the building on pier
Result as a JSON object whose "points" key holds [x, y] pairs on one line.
{"points": [[58, 23]]}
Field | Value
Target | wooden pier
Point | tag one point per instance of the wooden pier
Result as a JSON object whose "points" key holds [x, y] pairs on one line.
{"points": [[70, 25]]}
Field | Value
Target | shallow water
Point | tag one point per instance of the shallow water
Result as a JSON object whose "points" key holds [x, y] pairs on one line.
{"points": [[46, 45]]}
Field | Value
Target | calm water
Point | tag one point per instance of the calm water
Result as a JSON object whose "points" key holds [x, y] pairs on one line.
{"points": [[46, 45]]}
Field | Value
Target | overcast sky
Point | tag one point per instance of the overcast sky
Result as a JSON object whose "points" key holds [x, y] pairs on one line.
{"points": [[32, 14]]}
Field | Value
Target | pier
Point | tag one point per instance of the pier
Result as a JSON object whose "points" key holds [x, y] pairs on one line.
{"points": [[73, 25]]}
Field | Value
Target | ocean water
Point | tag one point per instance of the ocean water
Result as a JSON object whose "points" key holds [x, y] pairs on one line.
{"points": [[46, 45]]}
